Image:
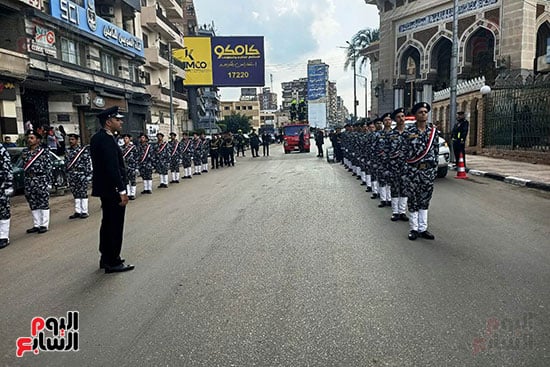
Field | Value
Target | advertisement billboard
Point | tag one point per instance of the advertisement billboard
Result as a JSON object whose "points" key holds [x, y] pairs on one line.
{"points": [[223, 61], [316, 81], [317, 114]]}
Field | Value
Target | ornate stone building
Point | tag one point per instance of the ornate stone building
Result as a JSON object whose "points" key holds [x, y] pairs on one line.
{"points": [[412, 60]]}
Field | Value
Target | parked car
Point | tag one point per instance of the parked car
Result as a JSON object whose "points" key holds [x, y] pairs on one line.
{"points": [[60, 182]]}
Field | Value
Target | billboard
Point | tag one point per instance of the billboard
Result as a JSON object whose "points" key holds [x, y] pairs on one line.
{"points": [[223, 61], [317, 75], [317, 114]]}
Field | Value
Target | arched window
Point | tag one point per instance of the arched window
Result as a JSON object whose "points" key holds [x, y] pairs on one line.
{"points": [[440, 63], [480, 54], [410, 63], [543, 34]]}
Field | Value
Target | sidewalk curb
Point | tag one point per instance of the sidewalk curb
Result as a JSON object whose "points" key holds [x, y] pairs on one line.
{"points": [[512, 180]]}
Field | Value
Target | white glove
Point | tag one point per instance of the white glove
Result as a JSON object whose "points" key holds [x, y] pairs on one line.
{"points": [[49, 187], [9, 191]]}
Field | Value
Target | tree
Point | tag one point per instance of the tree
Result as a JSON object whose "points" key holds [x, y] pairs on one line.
{"points": [[238, 121], [358, 47]]}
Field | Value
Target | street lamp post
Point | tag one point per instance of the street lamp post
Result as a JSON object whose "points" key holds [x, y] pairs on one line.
{"points": [[366, 95], [354, 82], [170, 76]]}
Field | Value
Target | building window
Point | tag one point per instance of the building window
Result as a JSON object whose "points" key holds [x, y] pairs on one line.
{"points": [[238, 108], [226, 108], [70, 51], [107, 63], [249, 107], [134, 72]]}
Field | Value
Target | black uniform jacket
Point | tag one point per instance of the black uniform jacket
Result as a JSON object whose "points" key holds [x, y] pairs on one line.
{"points": [[110, 176]]}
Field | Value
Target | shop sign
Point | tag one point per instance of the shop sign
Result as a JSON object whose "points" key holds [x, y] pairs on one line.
{"points": [[43, 41], [87, 20], [34, 3]]}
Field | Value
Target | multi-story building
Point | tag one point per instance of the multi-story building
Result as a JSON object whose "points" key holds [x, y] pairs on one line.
{"points": [[413, 58], [296, 89], [268, 100], [62, 62], [162, 73], [332, 103], [247, 108]]}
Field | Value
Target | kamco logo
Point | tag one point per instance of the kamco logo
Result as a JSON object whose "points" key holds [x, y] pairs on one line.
{"points": [[238, 50], [192, 64]]}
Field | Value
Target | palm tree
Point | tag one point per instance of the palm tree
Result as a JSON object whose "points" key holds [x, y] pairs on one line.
{"points": [[358, 45]]}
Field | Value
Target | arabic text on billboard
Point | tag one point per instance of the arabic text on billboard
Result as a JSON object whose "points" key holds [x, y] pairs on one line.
{"points": [[316, 81], [223, 61]]}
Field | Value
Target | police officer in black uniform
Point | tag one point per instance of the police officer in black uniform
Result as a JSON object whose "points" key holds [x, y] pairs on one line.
{"points": [[109, 182]]}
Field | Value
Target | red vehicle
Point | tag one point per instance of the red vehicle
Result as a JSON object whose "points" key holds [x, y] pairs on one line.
{"points": [[291, 137]]}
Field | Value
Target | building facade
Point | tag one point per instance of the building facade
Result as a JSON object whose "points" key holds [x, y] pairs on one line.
{"points": [[414, 53], [73, 60], [249, 108]]}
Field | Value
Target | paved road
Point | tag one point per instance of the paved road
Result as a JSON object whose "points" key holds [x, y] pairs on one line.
{"points": [[285, 261]]}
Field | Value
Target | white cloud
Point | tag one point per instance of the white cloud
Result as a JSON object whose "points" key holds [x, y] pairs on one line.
{"points": [[286, 6]]}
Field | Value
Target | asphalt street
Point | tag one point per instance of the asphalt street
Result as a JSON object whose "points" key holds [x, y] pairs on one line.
{"points": [[286, 261]]}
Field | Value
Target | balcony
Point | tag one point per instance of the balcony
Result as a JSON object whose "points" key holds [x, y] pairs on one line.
{"points": [[161, 95], [173, 8], [13, 64], [152, 55], [154, 20]]}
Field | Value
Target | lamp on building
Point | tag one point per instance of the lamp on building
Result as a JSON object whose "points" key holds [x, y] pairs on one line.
{"points": [[485, 90]]}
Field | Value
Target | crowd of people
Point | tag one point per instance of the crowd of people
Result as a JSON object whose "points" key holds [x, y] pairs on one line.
{"points": [[398, 165]]}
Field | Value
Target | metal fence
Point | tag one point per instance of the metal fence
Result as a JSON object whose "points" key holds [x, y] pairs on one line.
{"points": [[517, 114]]}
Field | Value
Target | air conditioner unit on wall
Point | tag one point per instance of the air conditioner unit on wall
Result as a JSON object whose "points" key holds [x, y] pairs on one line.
{"points": [[81, 99], [106, 11]]}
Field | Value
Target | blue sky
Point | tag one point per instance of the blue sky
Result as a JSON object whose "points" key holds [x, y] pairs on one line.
{"points": [[295, 31]]}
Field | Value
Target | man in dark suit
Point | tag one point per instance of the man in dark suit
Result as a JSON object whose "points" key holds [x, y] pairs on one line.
{"points": [[109, 184]]}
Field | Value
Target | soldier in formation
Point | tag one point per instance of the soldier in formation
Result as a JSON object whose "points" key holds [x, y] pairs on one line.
{"points": [[145, 163], [78, 166], [422, 152], [161, 160], [37, 167], [215, 145], [186, 156], [174, 150], [398, 165], [130, 154], [205, 149], [6, 190], [197, 154]]}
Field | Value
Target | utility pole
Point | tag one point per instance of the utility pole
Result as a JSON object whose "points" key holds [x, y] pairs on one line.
{"points": [[366, 95], [454, 66], [171, 87], [354, 82]]}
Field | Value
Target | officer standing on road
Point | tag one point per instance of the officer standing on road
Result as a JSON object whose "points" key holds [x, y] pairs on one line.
{"points": [[79, 172], [266, 140], [145, 163], [174, 149], [162, 160], [215, 151], [37, 166], [239, 139], [229, 145], [422, 152], [109, 184], [254, 144], [6, 190], [458, 136], [397, 166], [130, 153], [319, 141]]}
